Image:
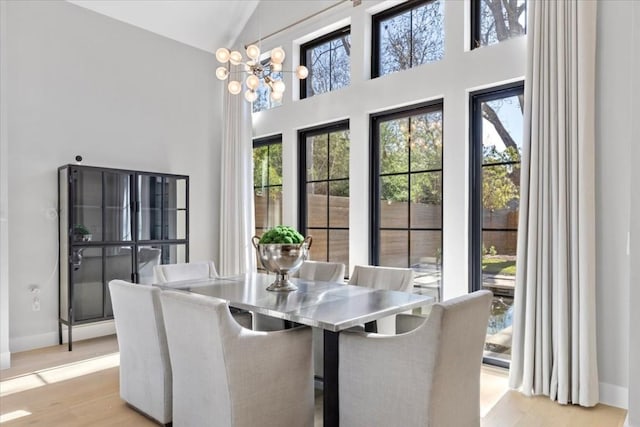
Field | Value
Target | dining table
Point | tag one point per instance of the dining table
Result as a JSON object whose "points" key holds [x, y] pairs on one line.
{"points": [[333, 307]]}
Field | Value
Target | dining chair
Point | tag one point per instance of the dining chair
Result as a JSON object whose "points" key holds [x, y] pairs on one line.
{"points": [[165, 273], [389, 278], [145, 369], [226, 375], [430, 375]]}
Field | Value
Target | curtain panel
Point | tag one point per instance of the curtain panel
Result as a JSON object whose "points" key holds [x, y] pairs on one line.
{"points": [[554, 325], [236, 189]]}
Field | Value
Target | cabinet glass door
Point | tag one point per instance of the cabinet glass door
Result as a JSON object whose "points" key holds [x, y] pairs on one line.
{"points": [[88, 298], [118, 265], [117, 207], [163, 208], [86, 186]]}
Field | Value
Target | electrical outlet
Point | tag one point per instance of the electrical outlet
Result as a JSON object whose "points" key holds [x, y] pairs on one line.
{"points": [[35, 306]]}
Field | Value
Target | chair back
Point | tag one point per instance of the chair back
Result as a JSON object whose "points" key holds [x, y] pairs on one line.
{"points": [[322, 271], [186, 271], [456, 329], [145, 369], [390, 278], [226, 375]]}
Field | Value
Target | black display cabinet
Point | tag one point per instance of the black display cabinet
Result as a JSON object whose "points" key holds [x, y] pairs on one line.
{"points": [[115, 224]]}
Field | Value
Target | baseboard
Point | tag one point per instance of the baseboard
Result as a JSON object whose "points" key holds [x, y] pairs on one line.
{"points": [[80, 332], [5, 360], [626, 421], [614, 395]]}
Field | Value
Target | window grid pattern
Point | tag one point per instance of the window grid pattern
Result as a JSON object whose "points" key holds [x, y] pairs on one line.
{"points": [[324, 191], [493, 21], [328, 59], [267, 183]]}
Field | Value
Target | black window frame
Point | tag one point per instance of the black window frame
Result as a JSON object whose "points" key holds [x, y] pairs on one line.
{"points": [[303, 134], [474, 42], [334, 35], [476, 165], [375, 31], [374, 174], [262, 142]]}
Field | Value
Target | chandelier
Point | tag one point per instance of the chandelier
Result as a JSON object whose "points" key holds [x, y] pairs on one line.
{"points": [[255, 72]]}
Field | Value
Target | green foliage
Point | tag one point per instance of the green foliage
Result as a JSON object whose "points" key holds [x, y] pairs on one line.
{"points": [[505, 267], [81, 230], [267, 167], [499, 180], [282, 234]]}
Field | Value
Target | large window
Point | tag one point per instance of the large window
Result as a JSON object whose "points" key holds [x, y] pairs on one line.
{"points": [[329, 62], [493, 21], [267, 182], [406, 165], [324, 191], [407, 35], [496, 137]]}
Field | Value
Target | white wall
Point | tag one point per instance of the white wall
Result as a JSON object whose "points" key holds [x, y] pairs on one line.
{"points": [[449, 80], [4, 225], [634, 259], [81, 83], [613, 138]]}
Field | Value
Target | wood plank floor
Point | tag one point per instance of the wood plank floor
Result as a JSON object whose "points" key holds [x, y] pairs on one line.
{"points": [[54, 387]]}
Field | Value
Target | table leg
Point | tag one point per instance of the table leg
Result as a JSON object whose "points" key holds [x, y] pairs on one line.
{"points": [[331, 408]]}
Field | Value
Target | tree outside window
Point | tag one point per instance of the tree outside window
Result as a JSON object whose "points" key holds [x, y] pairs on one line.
{"points": [[407, 36], [329, 62], [494, 21]]}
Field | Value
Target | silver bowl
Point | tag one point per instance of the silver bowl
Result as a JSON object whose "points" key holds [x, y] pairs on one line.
{"points": [[282, 259]]}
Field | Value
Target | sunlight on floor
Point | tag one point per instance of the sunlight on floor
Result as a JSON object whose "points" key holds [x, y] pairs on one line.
{"points": [[59, 373], [13, 415]]}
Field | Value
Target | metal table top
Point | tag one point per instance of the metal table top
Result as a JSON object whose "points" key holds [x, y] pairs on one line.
{"points": [[326, 305]]}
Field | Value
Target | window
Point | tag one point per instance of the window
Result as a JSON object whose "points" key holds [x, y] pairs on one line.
{"points": [[406, 165], [493, 21], [496, 138], [264, 100], [406, 36], [267, 182], [324, 191], [329, 62]]}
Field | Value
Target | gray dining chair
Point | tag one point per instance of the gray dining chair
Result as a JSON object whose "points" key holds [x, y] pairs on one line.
{"points": [[428, 376], [226, 375], [166, 273], [389, 278], [145, 369]]}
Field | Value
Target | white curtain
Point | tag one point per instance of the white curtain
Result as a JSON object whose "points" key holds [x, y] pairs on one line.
{"points": [[236, 193], [554, 325]]}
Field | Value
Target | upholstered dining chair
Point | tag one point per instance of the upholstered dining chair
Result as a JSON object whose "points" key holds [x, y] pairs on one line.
{"points": [[145, 369], [226, 375], [389, 278], [434, 379], [165, 273]]}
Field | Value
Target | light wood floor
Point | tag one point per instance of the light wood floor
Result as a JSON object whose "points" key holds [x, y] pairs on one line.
{"points": [[54, 387]]}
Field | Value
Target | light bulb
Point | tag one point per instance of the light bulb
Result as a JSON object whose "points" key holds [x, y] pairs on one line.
{"points": [[276, 96], [250, 95], [222, 54], [222, 73], [234, 87], [277, 55], [253, 52], [276, 67], [279, 86], [252, 82], [249, 66], [235, 57], [302, 72]]}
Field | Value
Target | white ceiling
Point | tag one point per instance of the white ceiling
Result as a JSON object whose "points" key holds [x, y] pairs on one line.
{"points": [[204, 24]]}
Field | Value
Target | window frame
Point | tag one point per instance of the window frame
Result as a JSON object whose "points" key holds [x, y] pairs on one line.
{"points": [[375, 32], [303, 134], [312, 44], [475, 184], [474, 33], [262, 142], [374, 175]]}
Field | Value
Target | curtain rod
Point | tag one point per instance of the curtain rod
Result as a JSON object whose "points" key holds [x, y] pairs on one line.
{"points": [[299, 21]]}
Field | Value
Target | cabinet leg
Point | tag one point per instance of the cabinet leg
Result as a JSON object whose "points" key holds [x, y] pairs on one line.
{"points": [[70, 342]]}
